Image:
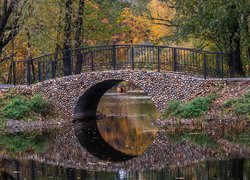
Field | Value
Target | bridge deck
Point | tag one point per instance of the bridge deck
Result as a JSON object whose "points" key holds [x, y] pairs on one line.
{"points": [[5, 86]]}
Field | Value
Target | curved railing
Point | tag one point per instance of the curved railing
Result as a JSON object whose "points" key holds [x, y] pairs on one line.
{"points": [[117, 57], [6, 71]]}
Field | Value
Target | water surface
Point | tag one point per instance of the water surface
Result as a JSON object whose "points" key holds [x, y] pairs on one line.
{"points": [[122, 145]]}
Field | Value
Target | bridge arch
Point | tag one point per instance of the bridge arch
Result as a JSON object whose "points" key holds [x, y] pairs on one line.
{"points": [[77, 96], [87, 104]]}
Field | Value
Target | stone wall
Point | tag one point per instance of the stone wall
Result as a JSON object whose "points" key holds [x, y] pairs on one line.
{"points": [[161, 87]]}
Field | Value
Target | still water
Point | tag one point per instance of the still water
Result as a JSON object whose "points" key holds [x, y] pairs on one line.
{"points": [[123, 144]]}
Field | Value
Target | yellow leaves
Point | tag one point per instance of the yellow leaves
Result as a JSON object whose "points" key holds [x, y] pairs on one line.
{"points": [[144, 30], [21, 48], [160, 10], [92, 5], [138, 27]]}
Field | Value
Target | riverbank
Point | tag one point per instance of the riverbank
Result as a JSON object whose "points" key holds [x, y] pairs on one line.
{"points": [[22, 110], [65, 151], [219, 126], [226, 123]]}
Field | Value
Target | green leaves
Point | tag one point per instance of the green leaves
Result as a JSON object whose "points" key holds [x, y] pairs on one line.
{"points": [[192, 109], [20, 107], [240, 106], [17, 108], [39, 105]]}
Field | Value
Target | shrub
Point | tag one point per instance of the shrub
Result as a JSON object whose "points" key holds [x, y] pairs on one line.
{"points": [[17, 108], [194, 108], [240, 106], [173, 108], [39, 105], [229, 103]]}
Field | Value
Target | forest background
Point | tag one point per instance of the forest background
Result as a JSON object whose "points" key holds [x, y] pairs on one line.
{"points": [[30, 28]]}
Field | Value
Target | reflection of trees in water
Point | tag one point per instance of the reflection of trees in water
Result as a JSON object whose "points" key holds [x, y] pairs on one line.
{"points": [[4, 175], [225, 169], [65, 151], [128, 136], [116, 106], [35, 141]]}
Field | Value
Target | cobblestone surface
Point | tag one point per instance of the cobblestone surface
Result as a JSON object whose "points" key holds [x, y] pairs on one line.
{"points": [[161, 87]]}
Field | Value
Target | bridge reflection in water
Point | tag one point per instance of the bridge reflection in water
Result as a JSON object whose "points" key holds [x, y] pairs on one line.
{"points": [[124, 132], [62, 156], [237, 169]]}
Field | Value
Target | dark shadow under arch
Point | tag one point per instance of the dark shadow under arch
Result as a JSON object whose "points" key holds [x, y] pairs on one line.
{"points": [[90, 138], [87, 104]]}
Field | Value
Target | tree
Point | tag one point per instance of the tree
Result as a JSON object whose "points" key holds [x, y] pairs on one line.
{"points": [[79, 36], [67, 38], [218, 23], [9, 22]]}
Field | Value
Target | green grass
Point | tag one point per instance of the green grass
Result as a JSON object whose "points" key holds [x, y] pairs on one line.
{"points": [[23, 107], [39, 105], [195, 108], [199, 138], [239, 106], [17, 108]]}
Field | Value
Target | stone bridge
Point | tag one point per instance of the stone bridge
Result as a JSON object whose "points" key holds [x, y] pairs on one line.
{"points": [[77, 96]]}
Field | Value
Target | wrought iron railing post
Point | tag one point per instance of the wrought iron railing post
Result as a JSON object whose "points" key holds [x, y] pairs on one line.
{"points": [[133, 58], [53, 74], [39, 71], [92, 60], [174, 59], [28, 78], [222, 68], [205, 65], [71, 62], [14, 72], [114, 56], [217, 64], [233, 63], [158, 59]]}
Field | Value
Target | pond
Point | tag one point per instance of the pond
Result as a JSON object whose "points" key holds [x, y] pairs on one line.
{"points": [[123, 143]]}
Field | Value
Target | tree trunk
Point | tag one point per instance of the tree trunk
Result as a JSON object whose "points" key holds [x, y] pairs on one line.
{"points": [[67, 35], [79, 37], [6, 21], [235, 65], [29, 57]]}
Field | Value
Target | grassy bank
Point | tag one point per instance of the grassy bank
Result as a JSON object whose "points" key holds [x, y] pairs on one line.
{"points": [[199, 107], [193, 109], [23, 107], [227, 119], [239, 106]]}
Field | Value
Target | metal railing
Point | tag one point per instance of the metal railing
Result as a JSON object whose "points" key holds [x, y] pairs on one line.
{"points": [[119, 57]]}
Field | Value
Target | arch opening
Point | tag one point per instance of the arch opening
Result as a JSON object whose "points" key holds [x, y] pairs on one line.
{"points": [[124, 130], [86, 107]]}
